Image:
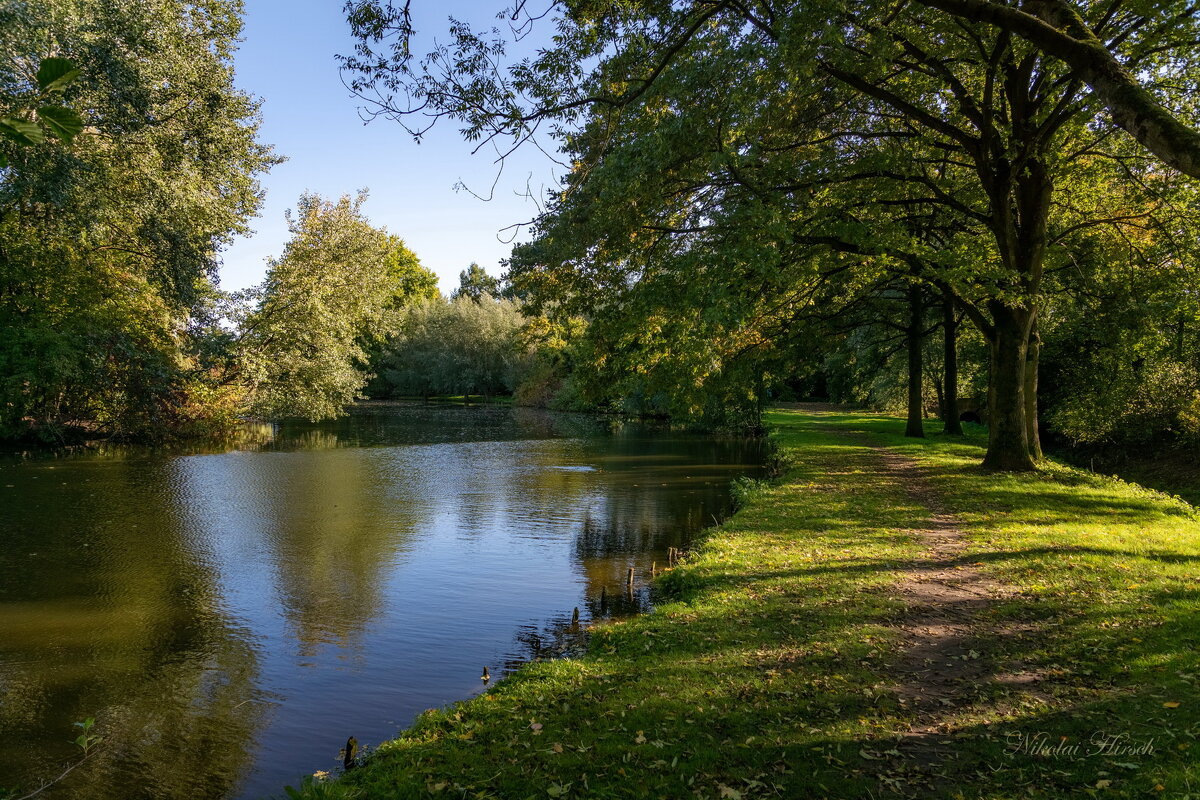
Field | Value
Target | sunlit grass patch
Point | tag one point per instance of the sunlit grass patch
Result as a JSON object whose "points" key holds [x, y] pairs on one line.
{"points": [[1106, 611]]}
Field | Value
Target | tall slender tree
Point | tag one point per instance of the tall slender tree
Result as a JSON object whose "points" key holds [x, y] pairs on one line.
{"points": [[337, 292]]}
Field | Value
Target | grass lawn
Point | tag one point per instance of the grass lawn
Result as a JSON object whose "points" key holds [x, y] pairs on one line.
{"points": [[771, 671]]}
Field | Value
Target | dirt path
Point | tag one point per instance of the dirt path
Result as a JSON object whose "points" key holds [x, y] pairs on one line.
{"points": [[942, 668], [945, 664]]}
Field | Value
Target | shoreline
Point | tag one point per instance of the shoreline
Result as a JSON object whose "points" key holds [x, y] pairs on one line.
{"points": [[786, 656]]}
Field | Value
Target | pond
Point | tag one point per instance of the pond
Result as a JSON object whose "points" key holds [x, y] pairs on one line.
{"points": [[230, 617]]}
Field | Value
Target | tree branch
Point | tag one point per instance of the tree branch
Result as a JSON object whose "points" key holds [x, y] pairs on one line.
{"points": [[1060, 32]]}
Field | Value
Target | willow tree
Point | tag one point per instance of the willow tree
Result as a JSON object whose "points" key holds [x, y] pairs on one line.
{"points": [[860, 114], [337, 292], [465, 346]]}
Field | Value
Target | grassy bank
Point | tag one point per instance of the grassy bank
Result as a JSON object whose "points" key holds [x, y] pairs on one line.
{"points": [[772, 672], [1171, 469]]}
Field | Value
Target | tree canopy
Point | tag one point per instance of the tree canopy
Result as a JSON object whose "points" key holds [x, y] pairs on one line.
{"points": [[474, 283], [109, 247], [738, 168], [336, 293], [464, 346]]}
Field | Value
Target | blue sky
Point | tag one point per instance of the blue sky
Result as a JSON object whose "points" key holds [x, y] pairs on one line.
{"points": [[288, 60]]}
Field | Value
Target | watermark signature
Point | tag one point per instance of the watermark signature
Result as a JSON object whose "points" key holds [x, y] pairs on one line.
{"points": [[1099, 744]]}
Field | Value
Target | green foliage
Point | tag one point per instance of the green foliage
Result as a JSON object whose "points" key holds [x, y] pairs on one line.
{"points": [[746, 490], [464, 346], [107, 247], [86, 740], [64, 123], [54, 74], [319, 788], [551, 377], [339, 289], [413, 282], [780, 459], [32, 112], [1120, 368], [475, 284]]}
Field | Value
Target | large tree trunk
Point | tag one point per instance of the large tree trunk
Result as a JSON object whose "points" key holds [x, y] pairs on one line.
{"points": [[916, 410], [1008, 437], [953, 425], [1031, 392], [1021, 236]]}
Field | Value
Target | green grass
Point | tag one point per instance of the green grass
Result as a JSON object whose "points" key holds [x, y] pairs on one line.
{"points": [[1172, 469], [768, 675]]}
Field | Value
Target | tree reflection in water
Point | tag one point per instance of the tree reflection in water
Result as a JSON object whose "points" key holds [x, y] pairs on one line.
{"points": [[230, 614]]}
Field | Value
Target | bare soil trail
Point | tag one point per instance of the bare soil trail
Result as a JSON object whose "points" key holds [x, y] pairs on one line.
{"points": [[945, 663]]}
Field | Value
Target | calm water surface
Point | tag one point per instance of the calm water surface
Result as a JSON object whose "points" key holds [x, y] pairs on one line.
{"points": [[229, 618]]}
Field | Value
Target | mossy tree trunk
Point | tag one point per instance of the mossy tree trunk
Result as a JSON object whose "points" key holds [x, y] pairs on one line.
{"points": [[1008, 436]]}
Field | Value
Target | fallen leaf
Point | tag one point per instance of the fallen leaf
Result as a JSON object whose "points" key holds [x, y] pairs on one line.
{"points": [[1103, 784], [640, 738], [1171, 704]]}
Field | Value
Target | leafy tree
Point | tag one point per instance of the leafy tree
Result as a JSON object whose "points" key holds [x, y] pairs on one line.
{"points": [[338, 290], [834, 127], [412, 282], [107, 247], [1108, 50], [1120, 358], [475, 284], [463, 346]]}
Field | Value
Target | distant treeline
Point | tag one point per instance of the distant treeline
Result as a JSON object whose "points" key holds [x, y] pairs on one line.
{"points": [[462, 347]]}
